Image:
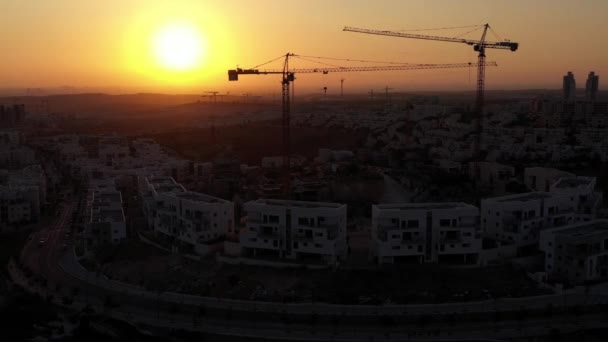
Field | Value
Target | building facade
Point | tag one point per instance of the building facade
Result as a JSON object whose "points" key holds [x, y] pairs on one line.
{"points": [[518, 219], [576, 253], [426, 232], [297, 230]]}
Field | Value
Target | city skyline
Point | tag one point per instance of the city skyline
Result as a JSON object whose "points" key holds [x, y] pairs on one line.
{"points": [[67, 43]]}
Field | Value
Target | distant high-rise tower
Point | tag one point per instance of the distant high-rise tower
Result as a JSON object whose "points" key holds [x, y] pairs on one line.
{"points": [[592, 85], [569, 86]]}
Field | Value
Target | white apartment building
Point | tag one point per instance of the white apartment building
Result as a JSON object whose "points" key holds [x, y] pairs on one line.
{"points": [[581, 193], [542, 178], [305, 231], [426, 233], [149, 187], [576, 253], [107, 219], [193, 219], [518, 219]]}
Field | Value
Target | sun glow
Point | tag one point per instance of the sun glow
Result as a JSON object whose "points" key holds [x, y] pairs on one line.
{"points": [[178, 47]]}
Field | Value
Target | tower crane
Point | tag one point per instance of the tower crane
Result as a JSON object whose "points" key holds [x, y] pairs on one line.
{"points": [[288, 76], [478, 45], [213, 95]]}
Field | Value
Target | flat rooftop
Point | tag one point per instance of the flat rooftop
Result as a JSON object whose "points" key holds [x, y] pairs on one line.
{"points": [[573, 182], [586, 229], [298, 204], [526, 197], [421, 206], [162, 188], [112, 215], [164, 184], [198, 197]]}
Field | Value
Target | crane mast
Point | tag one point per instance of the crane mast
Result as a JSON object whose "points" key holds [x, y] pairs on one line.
{"points": [[479, 46], [288, 77]]}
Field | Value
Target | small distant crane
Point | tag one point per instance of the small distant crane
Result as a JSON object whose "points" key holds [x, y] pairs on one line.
{"points": [[386, 89], [213, 95], [288, 77]]}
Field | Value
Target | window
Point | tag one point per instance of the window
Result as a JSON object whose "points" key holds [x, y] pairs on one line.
{"points": [[412, 224], [395, 236], [444, 223], [396, 247], [419, 248]]}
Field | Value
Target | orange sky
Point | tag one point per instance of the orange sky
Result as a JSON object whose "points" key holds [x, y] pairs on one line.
{"points": [[49, 43]]}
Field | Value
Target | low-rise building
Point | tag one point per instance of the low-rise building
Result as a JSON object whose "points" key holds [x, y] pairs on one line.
{"points": [[305, 231], [519, 218], [426, 233], [493, 175], [106, 223], [542, 178], [576, 253], [581, 193], [193, 219]]}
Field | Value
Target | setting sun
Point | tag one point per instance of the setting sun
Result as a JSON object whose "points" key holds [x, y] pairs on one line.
{"points": [[178, 47]]}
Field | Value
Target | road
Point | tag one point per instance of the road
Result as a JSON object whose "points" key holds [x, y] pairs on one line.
{"points": [[305, 321]]}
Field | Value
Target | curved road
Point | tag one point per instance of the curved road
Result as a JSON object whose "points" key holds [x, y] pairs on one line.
{"points": [[504, 319]]}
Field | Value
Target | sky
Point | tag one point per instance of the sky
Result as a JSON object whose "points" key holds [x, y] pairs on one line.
{"points": [[76, 43]]}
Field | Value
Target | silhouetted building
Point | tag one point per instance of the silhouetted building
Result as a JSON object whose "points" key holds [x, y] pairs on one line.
{"points": [[11, 116], [592, 86], [569, 87]]}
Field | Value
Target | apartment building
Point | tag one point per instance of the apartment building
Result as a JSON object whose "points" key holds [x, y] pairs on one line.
{"points": [[518, 219], [150, 187], [426, 233], [576, 253], [493, 175], [15, 206], [193, 219], [106, 223], [580, 191], [305, 231], [542, 178]]}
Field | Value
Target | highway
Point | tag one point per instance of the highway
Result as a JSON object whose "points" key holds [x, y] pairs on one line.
{"points": [[506, 319]]}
